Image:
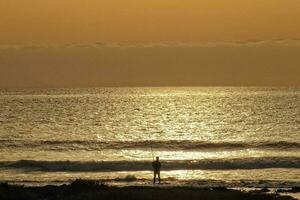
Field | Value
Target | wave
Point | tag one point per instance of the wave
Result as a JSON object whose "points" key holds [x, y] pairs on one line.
{"points": [[146, 144], [102, 166]]}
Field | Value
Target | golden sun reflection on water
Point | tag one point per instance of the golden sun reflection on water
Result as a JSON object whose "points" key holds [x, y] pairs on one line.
{"points": [[186, 124], [135, 155], [199, 155]]}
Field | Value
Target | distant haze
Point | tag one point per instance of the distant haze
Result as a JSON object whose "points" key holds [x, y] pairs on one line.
{"points": [[76, 43], [153, 65]]}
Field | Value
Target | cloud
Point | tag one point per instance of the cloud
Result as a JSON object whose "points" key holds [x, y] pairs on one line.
{"points": [[252, 62], [101, 45]]}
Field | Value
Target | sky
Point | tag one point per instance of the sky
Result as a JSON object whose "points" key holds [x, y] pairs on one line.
{"points": [[77, 43]]}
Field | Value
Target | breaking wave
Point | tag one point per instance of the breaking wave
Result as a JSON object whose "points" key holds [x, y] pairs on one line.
{"points": [[146, 144], [102, 166]]}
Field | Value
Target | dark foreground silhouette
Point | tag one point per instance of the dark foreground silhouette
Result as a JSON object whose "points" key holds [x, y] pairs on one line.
{"points": [[156, 169], [92, 190]]}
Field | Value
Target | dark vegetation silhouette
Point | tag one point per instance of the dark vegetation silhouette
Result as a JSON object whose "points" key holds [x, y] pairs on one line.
{"points": [[92, 190]]}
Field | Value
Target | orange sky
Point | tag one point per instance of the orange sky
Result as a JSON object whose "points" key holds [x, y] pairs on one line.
{"points": [[81, 43], [73, 21]]}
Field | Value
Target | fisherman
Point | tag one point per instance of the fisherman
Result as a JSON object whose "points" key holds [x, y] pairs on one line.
{"points": [[156, 169]]}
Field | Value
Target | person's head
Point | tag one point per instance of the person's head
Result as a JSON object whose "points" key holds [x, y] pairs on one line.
{"points": [[157, 158]]}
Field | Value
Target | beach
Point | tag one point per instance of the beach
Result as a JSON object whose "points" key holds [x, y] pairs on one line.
{"points": [[243, 138], [150, 99], [88, 189]]}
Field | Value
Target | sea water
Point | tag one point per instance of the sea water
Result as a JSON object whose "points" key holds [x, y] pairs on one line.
{"points": [[227, 136]]}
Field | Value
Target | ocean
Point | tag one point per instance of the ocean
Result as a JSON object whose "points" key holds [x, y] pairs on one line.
{"points": [[206, 136]]}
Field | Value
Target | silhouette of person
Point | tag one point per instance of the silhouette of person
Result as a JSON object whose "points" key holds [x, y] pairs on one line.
{"points": [[156, 169]]}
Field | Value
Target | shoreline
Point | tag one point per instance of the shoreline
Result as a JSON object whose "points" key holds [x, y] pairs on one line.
{"points": [[131, 179], [93, 189]]}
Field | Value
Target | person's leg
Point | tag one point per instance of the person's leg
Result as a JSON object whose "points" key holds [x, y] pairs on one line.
{"points": [[158, 173], [154, 177]]}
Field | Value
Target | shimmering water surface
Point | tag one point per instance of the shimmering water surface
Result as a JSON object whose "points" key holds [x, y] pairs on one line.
{"points": [[215, 135]]}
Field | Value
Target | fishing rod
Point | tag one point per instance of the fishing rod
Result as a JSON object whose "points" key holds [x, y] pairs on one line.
{"points": [[151, 147]]}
